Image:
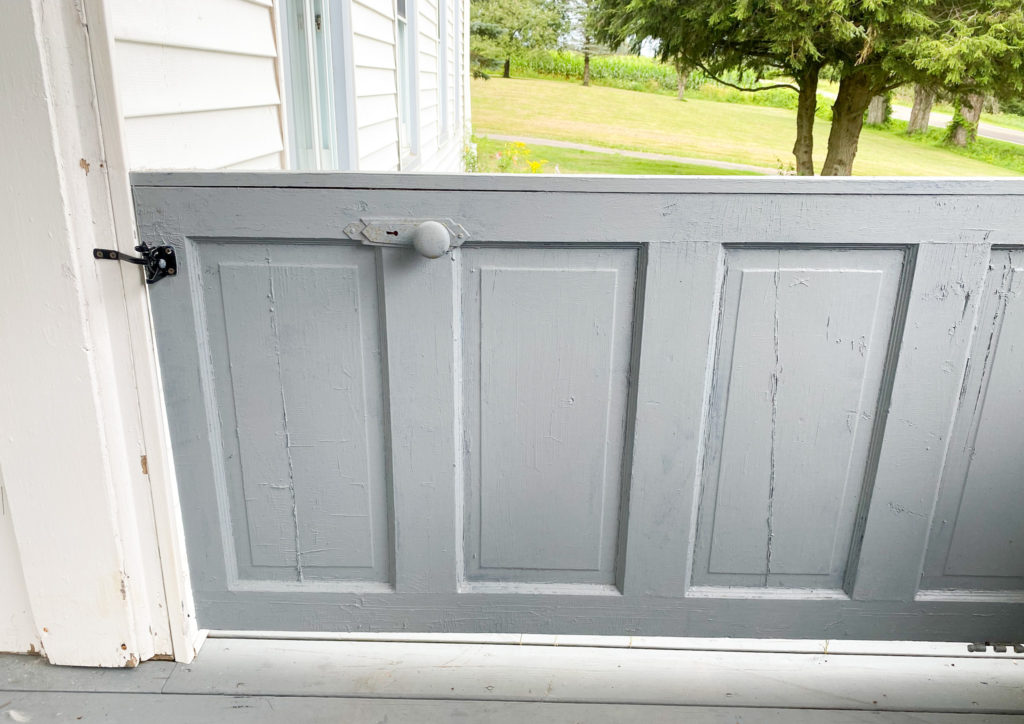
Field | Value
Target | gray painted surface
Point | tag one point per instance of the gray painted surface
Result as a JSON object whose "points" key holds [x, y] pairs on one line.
{"points": [[174, 708], [397, 681], [627, 406], [976, 540]]}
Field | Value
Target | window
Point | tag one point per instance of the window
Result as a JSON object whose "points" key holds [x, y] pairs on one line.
{"points": [[406, 70], [312, 118], [442, 69]]}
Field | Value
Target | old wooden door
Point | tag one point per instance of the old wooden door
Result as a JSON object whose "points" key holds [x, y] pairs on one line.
{"points": [[708, 407]]}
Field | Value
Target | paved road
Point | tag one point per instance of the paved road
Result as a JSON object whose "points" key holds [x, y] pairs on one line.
{"points": [[530, 141], [941, 120]]}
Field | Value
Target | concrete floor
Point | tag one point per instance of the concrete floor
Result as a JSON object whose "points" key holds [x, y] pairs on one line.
{"points": [[500, 679]]}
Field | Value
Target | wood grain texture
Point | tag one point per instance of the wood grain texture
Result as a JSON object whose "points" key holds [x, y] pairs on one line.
{"points": [[934, 345], [217, 709], [803, 341], [547, 339], [610, 676], [784, 376], [976, 540]]}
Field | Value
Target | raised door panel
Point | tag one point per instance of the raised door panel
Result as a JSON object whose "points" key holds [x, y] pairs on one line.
{"points": [[977, 535], [800, 365], [547, 340], [296, 370]]}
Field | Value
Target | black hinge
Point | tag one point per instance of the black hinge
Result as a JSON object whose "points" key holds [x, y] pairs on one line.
{"points": [[159, 261], [999, 647]]}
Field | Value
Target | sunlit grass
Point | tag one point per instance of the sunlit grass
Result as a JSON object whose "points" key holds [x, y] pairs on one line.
{"points": [[572, 161], [739, 133]]}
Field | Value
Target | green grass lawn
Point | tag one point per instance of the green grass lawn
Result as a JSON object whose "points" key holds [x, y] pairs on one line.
{"points": [[570, 161], [757, 135]]}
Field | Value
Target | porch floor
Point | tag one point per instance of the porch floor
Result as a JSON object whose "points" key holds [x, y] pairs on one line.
{"points": [[519, 680]]}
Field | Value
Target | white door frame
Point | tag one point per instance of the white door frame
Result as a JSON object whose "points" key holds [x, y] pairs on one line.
{"points": [[87, 467]]}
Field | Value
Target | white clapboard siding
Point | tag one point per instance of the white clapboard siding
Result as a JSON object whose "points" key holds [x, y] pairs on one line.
{"points": [[374, 109], [211, 139], [254, 164], [230, 26], [427, 77], [384, 159], [370, 22], [373, 53], [158, 80], [376, 85], [375, 81], [198, 83], [377, 136]]}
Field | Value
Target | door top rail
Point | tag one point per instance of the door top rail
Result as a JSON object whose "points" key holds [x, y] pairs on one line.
{"points": [[780, 185]]}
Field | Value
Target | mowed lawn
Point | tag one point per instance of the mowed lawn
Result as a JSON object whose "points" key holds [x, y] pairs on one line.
{"points": [[699, 129], [569, 161]]}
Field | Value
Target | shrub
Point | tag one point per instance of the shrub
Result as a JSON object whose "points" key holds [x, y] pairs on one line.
{"points": [[631, 72]]}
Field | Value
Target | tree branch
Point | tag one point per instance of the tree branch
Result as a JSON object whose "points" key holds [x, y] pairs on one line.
{"points": [[741, 88]]}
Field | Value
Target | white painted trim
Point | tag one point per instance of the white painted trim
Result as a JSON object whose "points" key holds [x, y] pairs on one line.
{"points": [[91, 535], [282, 110], [931, 649], [175, 583], [472, 672]]}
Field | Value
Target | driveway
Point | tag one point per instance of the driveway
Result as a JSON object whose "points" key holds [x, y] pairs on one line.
{"points": [[987, 130]]}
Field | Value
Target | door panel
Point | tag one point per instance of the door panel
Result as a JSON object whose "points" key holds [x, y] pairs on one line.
{"points": [[296, 366], [976, 542], [798, 377], [689, 407], [547, 342]]}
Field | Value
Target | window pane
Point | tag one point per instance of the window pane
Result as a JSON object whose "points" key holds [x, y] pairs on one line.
{"points": [[300, 107], [404, 101], [323, 85]]}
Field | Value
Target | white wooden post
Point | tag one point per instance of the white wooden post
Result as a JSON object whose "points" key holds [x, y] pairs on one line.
{"points": [[83, 437]]}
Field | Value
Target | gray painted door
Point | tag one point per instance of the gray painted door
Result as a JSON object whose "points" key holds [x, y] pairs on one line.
{"points": [[694, 407]]}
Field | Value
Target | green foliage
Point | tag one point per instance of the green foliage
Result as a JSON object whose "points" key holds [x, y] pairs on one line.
{"points": [[869, 46], [470, 157], [504, 29], [972, 47], [988, 150], [514, 157], [631, 72], [956, 124], [574, 161]]}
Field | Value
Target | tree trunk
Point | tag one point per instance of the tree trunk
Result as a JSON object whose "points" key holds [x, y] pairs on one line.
{"points": [[507, 73], [971, 114], [876, 111], [854, 95], [807, 104], [922, 110], [586, 67], [682, 78]]}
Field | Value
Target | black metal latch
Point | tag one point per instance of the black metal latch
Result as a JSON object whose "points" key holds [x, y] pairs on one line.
{"points": [[159, 261]]}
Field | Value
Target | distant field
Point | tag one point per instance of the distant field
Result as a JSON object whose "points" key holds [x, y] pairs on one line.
{"points": [[570, 161], [757, 135]]}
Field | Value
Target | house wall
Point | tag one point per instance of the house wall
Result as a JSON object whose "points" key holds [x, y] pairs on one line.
{"points": [[440, 121], [197, 82], [197, 86]]}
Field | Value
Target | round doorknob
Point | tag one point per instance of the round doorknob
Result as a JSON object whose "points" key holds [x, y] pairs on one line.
{"points": [[432, 239]]}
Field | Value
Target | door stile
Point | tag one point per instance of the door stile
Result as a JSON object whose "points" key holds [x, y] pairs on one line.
{"points": [[421, 353], [680, 296], [944, 296]]}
